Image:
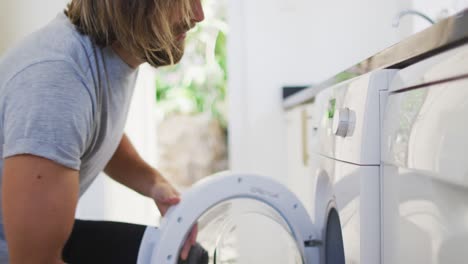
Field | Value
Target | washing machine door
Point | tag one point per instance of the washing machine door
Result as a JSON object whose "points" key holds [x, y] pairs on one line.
{"points": [[241, 219]]}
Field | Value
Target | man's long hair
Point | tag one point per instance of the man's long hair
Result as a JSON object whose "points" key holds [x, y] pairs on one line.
{"points": [[147, 29]]}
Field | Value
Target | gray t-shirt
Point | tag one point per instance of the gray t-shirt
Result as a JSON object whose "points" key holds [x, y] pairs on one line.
{"points": [[65, 99]]}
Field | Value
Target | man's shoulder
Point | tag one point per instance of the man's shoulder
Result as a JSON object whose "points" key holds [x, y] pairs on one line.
{"points": [[57, 41]]}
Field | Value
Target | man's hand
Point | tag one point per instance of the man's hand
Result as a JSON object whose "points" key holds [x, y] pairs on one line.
{"points": [[128, 168], [165, 196]]}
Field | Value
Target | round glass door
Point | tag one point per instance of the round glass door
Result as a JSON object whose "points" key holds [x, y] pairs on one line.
{"points": [[246, 231], [241, 219]]}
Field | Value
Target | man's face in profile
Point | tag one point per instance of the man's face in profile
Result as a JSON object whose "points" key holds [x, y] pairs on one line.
{"points": [[180, 28]]}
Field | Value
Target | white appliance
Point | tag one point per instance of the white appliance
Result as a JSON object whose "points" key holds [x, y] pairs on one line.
{"points": [[249, 219], [346, 165], [425, 166]]}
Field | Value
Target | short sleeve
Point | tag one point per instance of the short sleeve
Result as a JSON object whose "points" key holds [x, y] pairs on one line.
{"points": [[48, 112]]}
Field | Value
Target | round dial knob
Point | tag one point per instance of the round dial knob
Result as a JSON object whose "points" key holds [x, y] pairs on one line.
{"points": [[342, 122]]}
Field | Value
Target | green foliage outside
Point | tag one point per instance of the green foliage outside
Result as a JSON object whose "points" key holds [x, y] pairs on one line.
{"points": [[198, 83]]}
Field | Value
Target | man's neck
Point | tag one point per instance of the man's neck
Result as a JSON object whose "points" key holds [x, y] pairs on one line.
{"points": [[126, 56]]}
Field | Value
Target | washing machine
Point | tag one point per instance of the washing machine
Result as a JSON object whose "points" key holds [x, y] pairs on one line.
{"points": [[425, 168], [248, 219], [346, 164]]}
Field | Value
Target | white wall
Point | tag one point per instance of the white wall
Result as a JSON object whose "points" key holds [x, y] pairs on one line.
{"points": [[435, 9], [20, 17], [276, 42]]}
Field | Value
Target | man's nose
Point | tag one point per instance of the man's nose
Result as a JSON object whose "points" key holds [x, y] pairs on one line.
{"points": [[198, 13]]}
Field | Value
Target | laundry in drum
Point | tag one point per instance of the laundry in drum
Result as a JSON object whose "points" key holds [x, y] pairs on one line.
{"points": [[197, 255]]}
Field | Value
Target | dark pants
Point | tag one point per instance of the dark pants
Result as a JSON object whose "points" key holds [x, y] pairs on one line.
{"points": [[103, 242], [100, 242]]}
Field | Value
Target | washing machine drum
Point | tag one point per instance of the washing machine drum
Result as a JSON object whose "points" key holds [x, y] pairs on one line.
{"points": [[241, 219]]}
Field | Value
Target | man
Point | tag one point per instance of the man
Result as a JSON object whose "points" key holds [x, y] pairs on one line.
{"points": [[64, 97]]}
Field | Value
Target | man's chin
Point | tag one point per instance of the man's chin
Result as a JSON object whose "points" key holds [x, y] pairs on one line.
{"points": [[161, 60]]}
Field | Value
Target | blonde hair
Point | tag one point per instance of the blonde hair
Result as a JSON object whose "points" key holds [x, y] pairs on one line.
{"points": [[145, 28]]}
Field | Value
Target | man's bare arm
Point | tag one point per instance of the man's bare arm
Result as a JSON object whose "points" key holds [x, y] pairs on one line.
{"points": [[129, 169], [39, 199]]}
